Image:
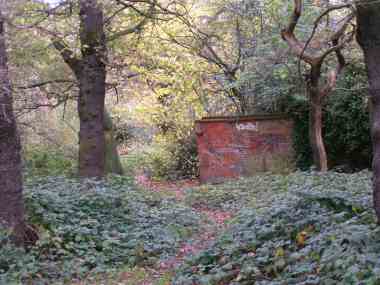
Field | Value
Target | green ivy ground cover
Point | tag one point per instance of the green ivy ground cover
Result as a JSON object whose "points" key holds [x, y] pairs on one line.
{"points": [[312, 229], [304, 228], [90, 228]]}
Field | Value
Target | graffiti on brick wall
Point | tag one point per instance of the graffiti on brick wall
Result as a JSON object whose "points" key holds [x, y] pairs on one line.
{"points": [[247, 127]]}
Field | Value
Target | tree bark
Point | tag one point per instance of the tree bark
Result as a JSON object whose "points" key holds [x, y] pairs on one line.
{"points": [[92, 82], [368, 37], [11, 199]]}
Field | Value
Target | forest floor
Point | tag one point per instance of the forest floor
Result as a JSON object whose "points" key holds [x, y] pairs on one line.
{"points": [[302, 228]]}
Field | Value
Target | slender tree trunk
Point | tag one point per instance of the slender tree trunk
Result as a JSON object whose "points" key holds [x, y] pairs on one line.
{"points": [[315, 130], [368, 36], [11, 200], [92, 78], [317, 91]]}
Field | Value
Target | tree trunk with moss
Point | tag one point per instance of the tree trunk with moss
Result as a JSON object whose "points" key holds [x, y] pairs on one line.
{"points": [[11, 199], [90, 71], [113, 163]]}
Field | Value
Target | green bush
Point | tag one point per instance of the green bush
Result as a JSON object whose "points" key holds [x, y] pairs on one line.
{"points": [[46, 162], [167, 158], [159, 162], [133, 162], [185, 154]]}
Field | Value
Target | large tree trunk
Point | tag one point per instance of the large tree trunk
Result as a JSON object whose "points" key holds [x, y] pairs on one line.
{"points": [[11, 200], [368, 36], [92, 78], [315, 131]]}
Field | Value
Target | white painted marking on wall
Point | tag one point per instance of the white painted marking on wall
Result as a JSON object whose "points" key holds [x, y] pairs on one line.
{"points": [[247, 127]]}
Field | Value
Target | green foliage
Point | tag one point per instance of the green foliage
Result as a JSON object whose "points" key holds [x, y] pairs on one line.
{"points": [[48, 162], [185, 152], [167, 158], [321, 231], [184, 155], [158, 161], [235, 194], [347, 125], [298, 108], [133, 162], [94, 227], [303, 228]]}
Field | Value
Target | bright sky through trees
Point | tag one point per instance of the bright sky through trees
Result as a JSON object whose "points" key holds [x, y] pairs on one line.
{"points": [[52, 2]]}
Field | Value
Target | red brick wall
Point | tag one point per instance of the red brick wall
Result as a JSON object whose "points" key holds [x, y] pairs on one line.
{"points": [[233, 147]]}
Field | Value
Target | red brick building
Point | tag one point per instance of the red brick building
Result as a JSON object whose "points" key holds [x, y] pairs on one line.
{"points": [[231, 147]]}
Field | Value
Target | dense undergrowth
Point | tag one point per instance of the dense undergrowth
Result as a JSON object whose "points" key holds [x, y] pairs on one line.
{"points": [[317, 229], [303, 228], [91, 228]]}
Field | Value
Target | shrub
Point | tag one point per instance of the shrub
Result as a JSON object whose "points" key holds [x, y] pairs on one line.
{"points": [[168, 158], [48, 162], [185, 154]]}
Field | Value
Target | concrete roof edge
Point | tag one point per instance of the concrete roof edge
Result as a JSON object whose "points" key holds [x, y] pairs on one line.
{"points": [[254, 117]]}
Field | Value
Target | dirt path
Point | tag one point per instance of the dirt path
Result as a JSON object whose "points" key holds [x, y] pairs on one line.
{"points": [[176, 187], [196, 244]]}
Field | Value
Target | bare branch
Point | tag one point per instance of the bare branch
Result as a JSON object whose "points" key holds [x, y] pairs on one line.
{"points": [[239, 40], [41, 84], [288, 34], [337, 34], [333, 74], [137, 28], [300, 49]]}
